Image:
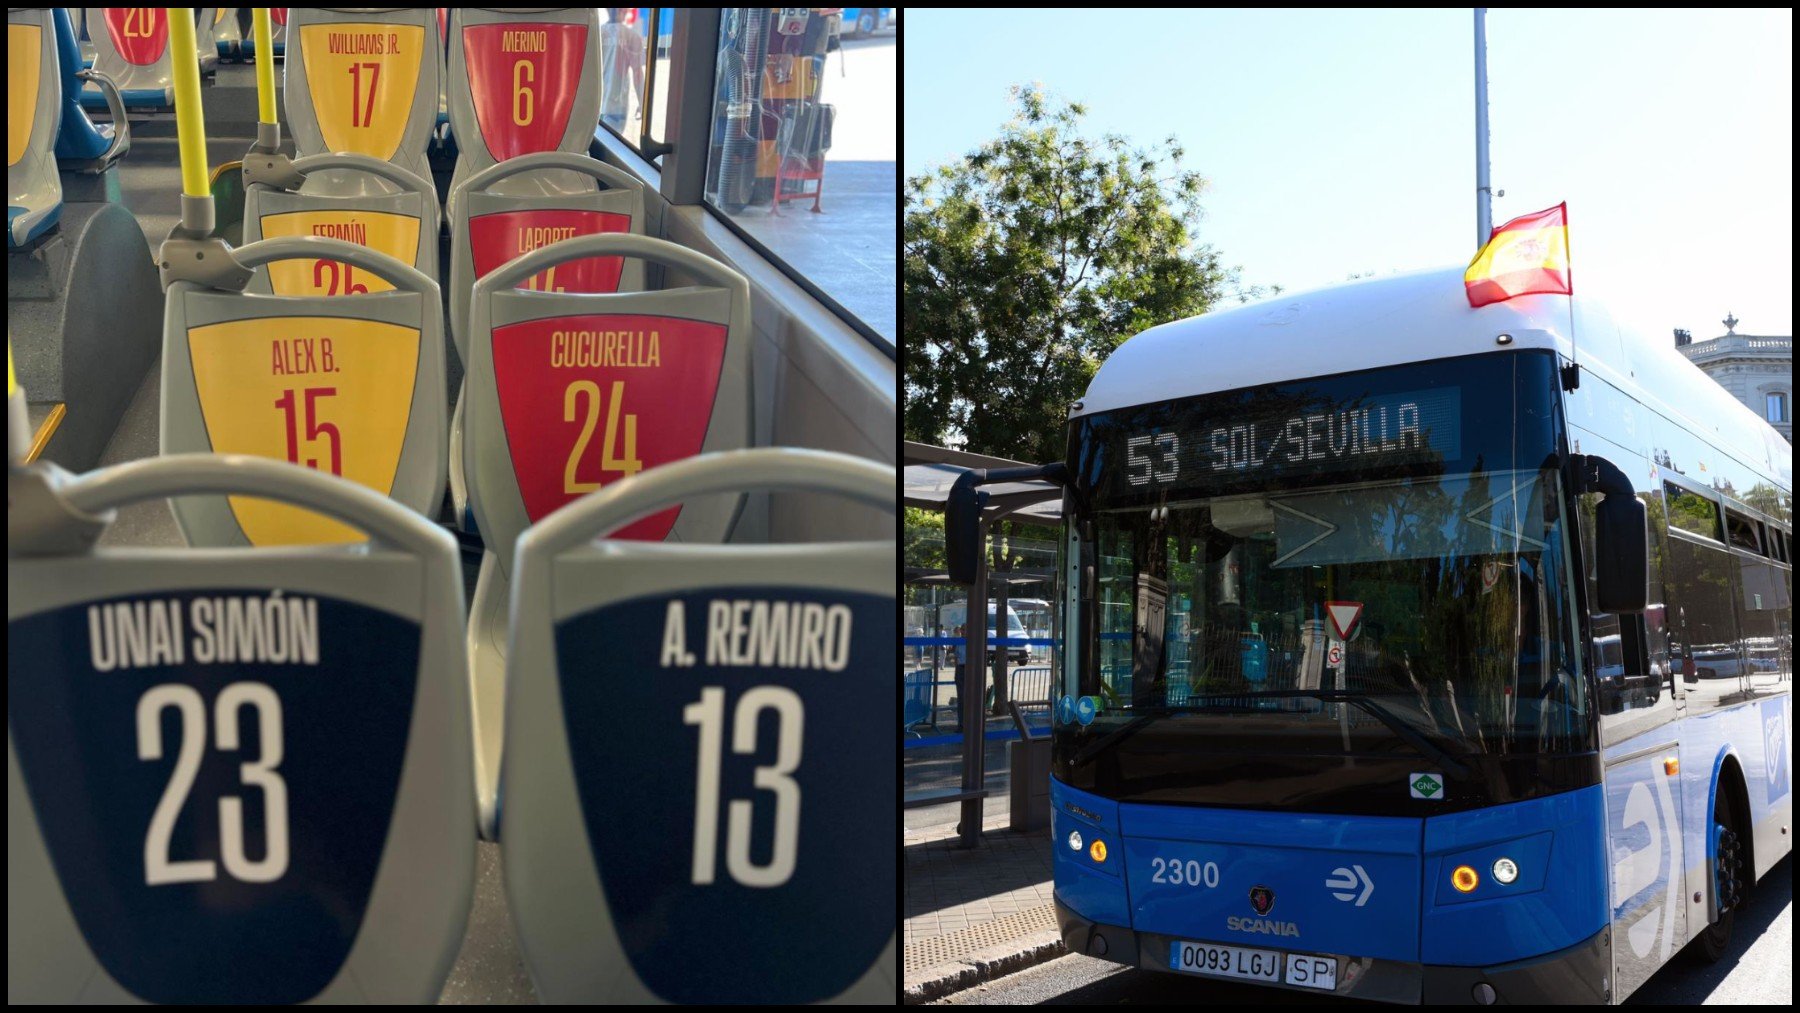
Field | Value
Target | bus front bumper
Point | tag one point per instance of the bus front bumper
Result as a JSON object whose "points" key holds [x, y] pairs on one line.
{"points": [[1578, 975]]}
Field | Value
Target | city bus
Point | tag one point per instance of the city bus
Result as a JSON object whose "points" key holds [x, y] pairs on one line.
{"points": [[1429, 740], [434, 312]]}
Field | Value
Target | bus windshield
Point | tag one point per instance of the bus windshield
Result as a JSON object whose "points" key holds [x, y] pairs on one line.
{"points": [[1425, 618]]}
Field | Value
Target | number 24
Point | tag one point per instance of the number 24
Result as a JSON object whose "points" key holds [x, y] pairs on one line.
{"points": [[626, 460]]}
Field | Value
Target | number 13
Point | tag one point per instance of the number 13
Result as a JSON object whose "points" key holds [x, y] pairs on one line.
{"points": [[709, 714]]}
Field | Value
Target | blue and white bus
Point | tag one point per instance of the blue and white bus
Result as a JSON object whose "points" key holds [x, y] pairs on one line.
{"points": [[1418, 653]]}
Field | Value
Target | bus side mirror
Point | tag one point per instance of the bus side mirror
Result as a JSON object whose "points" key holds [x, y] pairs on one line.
{"points": [[962, 528], [1622, 555]]}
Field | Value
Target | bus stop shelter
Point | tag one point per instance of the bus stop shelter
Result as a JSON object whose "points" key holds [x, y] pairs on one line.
{"points": [[928, 473]]}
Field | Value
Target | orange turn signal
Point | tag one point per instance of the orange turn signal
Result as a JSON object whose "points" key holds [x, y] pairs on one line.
{"points": [[1464, 879], [1671, 766], [1097, 851]]}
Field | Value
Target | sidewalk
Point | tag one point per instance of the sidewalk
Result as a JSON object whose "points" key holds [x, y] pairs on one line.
{"points": [[974, 915]]}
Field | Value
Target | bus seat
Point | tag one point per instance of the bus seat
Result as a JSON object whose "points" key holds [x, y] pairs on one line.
{"points": [[33, 99], [363, 80], [599, 730], [227, 33], [568, 392], [443, 23], [491, 228], [278, 23], [352, 385], [205, 51], [131, 47], [82, 145], [190, 824], [84, 34], [397, 214], [521, 83]]}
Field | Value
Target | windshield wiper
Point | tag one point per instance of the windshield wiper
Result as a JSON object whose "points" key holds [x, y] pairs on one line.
{"points": [[1452, 766]]}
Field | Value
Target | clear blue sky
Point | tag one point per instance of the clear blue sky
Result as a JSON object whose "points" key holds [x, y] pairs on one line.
{"points": [[1343, 141]]}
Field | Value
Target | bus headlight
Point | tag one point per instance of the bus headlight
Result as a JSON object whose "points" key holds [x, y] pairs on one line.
{"points": [[1464, 879], [1505, 870], [1074, 840]]}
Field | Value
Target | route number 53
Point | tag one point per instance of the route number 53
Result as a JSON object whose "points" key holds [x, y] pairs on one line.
{"points": [[1141, 468]]}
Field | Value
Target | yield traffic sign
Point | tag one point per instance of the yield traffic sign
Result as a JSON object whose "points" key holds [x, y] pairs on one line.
{"points": [[1344, 617]]}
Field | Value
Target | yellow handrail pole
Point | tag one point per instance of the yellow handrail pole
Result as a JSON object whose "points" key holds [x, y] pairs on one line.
{"points": [[265, 64], [190, 118]]}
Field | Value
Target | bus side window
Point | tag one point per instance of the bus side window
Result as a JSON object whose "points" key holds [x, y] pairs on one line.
{"points": [[1630, 653]]}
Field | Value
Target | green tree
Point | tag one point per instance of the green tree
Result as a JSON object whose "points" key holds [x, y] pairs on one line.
{"points": [[923, 545], [1029, 260]]}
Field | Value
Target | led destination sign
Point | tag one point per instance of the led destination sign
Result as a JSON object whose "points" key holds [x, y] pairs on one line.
{"points": [[1172, 445]]}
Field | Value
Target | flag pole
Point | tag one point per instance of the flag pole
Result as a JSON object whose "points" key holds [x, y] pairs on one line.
{"points": [[1572, 379], [1484, 210]]}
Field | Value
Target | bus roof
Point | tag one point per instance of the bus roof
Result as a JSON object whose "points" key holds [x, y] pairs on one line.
{"points": [[1416, 317]]}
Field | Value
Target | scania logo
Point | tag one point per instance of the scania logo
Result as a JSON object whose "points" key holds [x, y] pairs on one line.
{"points": [[1265, 926], [1079, 811], [1261, 899]]}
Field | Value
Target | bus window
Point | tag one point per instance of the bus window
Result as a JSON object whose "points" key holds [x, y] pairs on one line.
{"points": [[1635, 691], [1699, 581], [1743, 532], [1692, 512], [623, 46], [804, 155]]}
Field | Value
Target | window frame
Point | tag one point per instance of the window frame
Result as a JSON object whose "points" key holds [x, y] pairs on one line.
{"points": [[887, 346], [645, 146], [680, 157], [1747, 525], [1709, 495]]}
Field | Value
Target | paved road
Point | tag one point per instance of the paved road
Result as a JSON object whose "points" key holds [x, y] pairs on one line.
{"points": [[1758, 971]]}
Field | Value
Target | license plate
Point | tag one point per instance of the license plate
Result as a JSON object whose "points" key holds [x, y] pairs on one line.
{"points": [[1308, 971], [1225, 961], [1303, 970]]}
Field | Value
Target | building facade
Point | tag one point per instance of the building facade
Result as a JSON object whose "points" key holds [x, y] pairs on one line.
{"points": [[1758, 370]]}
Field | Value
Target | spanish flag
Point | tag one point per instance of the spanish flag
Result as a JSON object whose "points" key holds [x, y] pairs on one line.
{"points": [[1528, 254]]}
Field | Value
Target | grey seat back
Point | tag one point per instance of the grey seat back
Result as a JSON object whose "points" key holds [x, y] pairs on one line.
{"points": [[739, 700], [363, 80], [33, 82], [568, 392], [521, 81], [204, 49], [232, 777], [349, 384], [226, 32], [401, 222], [132, 47], [491, 227]]}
